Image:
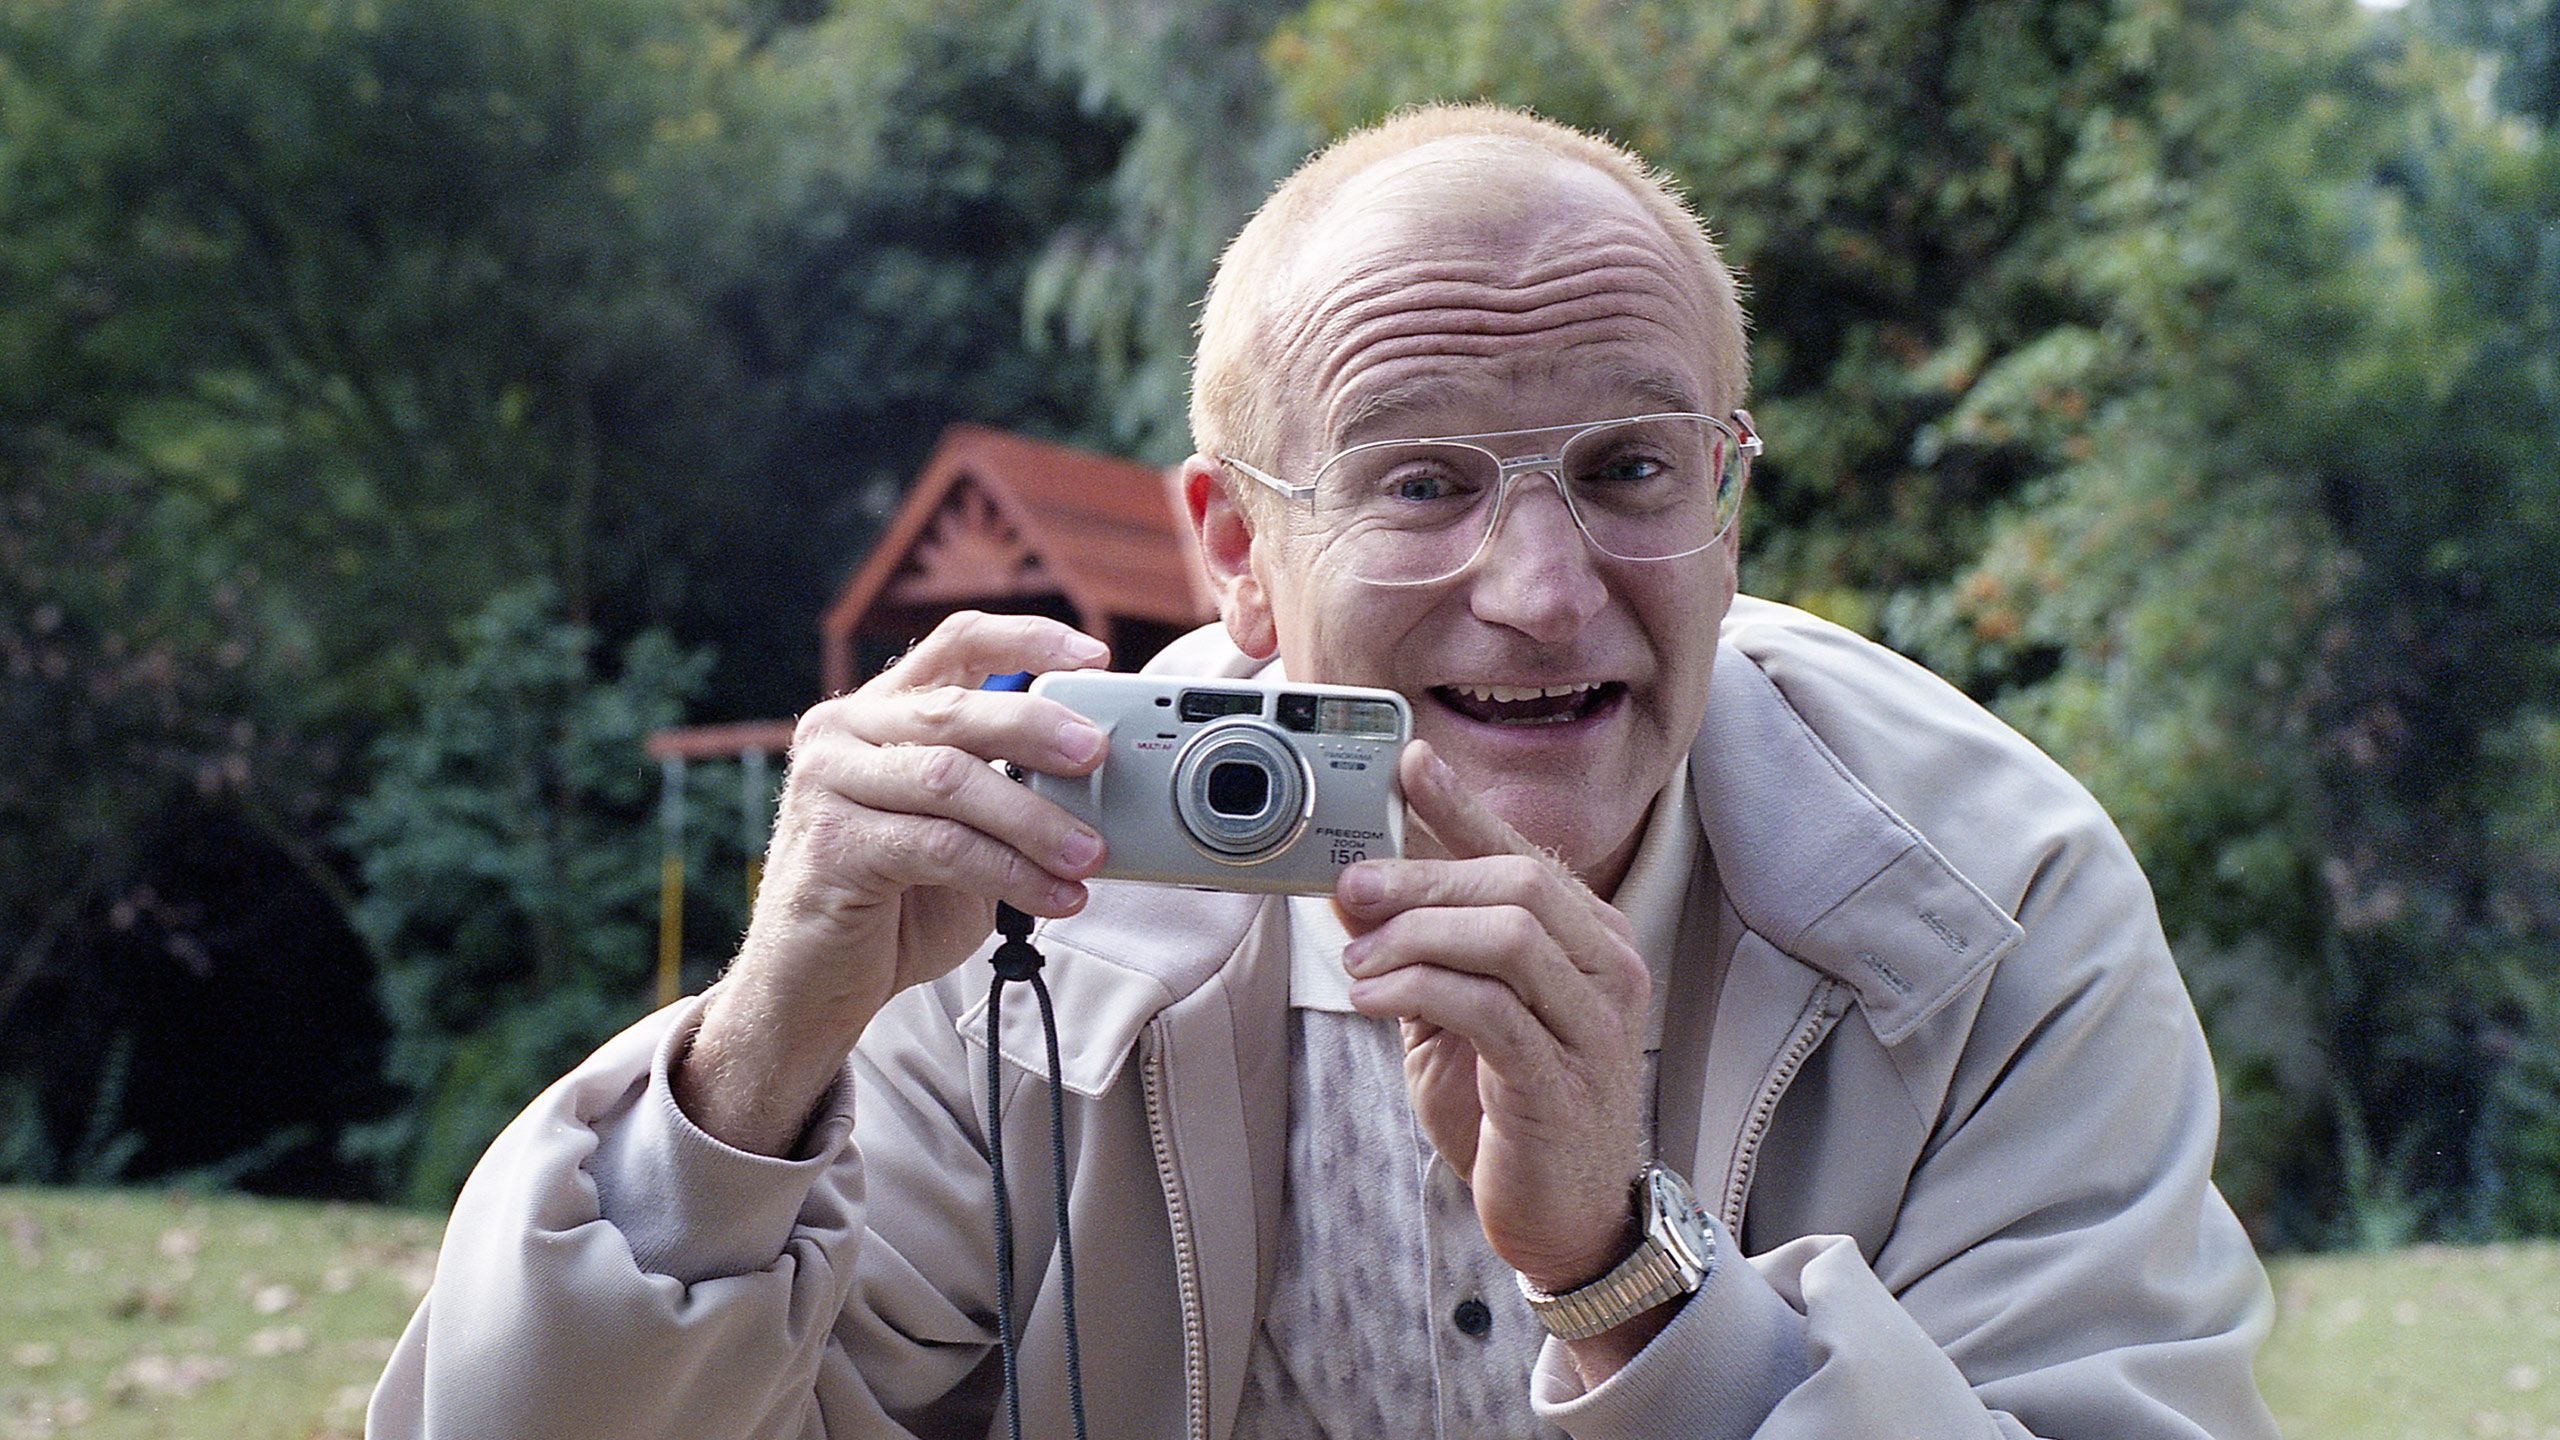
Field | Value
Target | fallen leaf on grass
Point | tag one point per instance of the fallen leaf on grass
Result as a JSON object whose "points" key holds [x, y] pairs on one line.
{"points": [[151, 1298], [279, 1340], [156, 1376], [26, 1237], [36, 1417]]}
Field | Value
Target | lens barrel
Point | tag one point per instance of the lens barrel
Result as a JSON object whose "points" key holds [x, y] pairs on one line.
{"points": [[1241, 790]]}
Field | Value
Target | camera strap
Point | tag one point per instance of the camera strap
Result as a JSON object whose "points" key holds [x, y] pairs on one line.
{"points": [[1018, 959]]}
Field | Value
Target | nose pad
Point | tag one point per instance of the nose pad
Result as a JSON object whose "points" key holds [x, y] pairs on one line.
{"points": [[1543, 518]]}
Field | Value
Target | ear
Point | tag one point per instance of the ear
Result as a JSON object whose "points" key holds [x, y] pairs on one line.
{"points": [[1225, 530]]}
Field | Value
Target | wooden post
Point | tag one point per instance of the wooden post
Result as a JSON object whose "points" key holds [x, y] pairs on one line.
{"points": [[670, 880], [755, 815]]}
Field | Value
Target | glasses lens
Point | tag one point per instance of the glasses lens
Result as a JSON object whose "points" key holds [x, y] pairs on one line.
{"points": [[1652, 487], [1404, 512], [1400, 511]]}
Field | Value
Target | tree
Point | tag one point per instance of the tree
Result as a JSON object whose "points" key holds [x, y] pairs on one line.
{"points": [[1207, 141], [322, 321], [511, 875]]}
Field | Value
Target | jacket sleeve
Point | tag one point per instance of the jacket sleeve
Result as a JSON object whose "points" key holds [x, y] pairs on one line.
{"points": [[2060, 1264], [610, 1270]]}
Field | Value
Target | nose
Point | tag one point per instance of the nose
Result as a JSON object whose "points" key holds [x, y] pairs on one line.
{"points": [[1537, 573]]}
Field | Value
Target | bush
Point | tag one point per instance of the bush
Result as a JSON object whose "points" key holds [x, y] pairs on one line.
{"points": [[510, 856]]}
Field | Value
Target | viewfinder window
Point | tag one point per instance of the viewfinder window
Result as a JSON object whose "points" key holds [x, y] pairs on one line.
{"points": [[1199, 705]]}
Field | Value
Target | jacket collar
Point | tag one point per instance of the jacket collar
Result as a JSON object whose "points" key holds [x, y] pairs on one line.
{"points": [[1815, 863]]}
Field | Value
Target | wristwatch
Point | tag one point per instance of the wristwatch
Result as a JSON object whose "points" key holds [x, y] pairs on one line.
{"points": [[1671, 1261]]}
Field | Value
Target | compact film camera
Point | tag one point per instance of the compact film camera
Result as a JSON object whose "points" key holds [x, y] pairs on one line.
{"points": [[1235, 784]]}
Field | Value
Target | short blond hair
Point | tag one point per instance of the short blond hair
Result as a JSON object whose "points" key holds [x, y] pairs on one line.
{"points": [[1233, 411]]}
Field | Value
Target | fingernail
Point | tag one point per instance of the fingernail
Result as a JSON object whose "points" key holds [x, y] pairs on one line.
{"points": [[1066, 898], [1079, 741], [1362, 886], [1442, 777], [1354, 953], [1086, 650], [1080, 849]]}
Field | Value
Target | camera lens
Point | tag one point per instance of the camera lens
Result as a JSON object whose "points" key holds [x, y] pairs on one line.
{"points": [[1237, 790], [1241, 790]]}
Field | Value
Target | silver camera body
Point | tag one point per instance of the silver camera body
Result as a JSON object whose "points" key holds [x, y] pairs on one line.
{"points": [[1235, 784]]}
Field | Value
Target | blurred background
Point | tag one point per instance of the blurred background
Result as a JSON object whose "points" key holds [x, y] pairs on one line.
{"points": [[408, 406]]}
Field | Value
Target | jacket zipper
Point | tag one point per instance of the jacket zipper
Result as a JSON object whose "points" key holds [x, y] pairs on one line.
{"points": [[1186, 1254], [1810, 1028]]}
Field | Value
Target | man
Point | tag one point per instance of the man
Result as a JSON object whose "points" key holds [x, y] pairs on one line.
{"points": [[1774, 916]]}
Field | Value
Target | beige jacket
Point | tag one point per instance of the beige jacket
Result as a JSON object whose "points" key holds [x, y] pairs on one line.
{"points": [[1952, 1099]]}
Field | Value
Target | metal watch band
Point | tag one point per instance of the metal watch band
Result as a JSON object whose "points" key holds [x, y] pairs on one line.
{"points": [[1671, 1261]]}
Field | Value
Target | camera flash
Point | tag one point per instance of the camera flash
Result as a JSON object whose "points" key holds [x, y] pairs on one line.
{"points": [[1360, 719]]}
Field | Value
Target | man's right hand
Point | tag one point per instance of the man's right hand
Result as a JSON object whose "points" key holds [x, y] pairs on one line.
{"points": [[894, 841]]}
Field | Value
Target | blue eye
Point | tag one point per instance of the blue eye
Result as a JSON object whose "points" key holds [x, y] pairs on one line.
{"points": [[1625, 469], [1424, 482]]}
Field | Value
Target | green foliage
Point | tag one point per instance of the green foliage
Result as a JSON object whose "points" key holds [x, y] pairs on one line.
{"points": [[1207, 143], [321, 321], [511, 874], [2278, 610]]}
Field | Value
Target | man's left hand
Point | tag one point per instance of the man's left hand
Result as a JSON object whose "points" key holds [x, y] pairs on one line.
{"points": [[1523, 1002]]}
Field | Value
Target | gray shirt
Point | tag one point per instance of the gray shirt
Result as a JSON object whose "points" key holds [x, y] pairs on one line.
{"points": [[1389, 1314]]}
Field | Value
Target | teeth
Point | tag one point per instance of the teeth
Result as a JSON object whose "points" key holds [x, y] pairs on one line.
{"points": [[1512, 694]]}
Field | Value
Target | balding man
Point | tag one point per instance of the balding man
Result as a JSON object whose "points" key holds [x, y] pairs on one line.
{"points": [[1756, 1038]]}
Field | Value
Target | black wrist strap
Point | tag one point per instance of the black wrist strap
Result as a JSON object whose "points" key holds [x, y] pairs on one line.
{"points": [[1018, 959]]}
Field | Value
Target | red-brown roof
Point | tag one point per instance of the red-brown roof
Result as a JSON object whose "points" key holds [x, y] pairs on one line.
{"points": [[995, 515]]}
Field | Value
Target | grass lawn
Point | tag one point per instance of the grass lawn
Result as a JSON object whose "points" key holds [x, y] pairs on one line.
{"points": [[133, 1314], [2428, 1343]]}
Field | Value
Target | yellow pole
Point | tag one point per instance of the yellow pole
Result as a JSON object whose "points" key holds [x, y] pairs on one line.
{"points": [[670, 880]]}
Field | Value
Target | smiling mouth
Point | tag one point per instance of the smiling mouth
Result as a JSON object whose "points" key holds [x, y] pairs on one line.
{"points": [[1528, 704]]}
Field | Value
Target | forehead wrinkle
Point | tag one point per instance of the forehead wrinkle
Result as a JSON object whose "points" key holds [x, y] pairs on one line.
{"points": [[1359, 407], [1457, 311], [1363, 359], [1402, 279]]}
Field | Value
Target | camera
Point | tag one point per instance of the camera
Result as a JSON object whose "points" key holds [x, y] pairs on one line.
{"points": [[1234, 784]]}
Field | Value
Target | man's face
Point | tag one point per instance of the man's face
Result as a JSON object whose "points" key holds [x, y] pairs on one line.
{"points": [[1561, 685]]}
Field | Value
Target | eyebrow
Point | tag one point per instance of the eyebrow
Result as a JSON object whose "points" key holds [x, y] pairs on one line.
{"points": [[1380, 406]]}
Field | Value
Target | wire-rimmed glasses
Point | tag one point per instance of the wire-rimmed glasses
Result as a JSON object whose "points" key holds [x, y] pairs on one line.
{"points": [[1414, 512]]}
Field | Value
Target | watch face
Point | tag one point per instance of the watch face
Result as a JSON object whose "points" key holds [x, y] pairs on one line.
{"points": [[1675, 1218]]}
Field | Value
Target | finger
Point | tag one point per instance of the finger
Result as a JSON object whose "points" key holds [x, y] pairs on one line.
{"points": [[1508, 946], [946, 783], [971, 645], [1455, 817], [1030, 731], [1484, 1012], [1589, 930], [898, 852]]}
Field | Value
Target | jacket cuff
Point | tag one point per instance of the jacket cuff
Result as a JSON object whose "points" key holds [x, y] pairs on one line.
{"points": [[691, 1206], [1716, 1371]]}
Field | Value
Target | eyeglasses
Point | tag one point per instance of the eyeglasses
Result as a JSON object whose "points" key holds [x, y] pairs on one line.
{"points": [[1414, 512]]}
